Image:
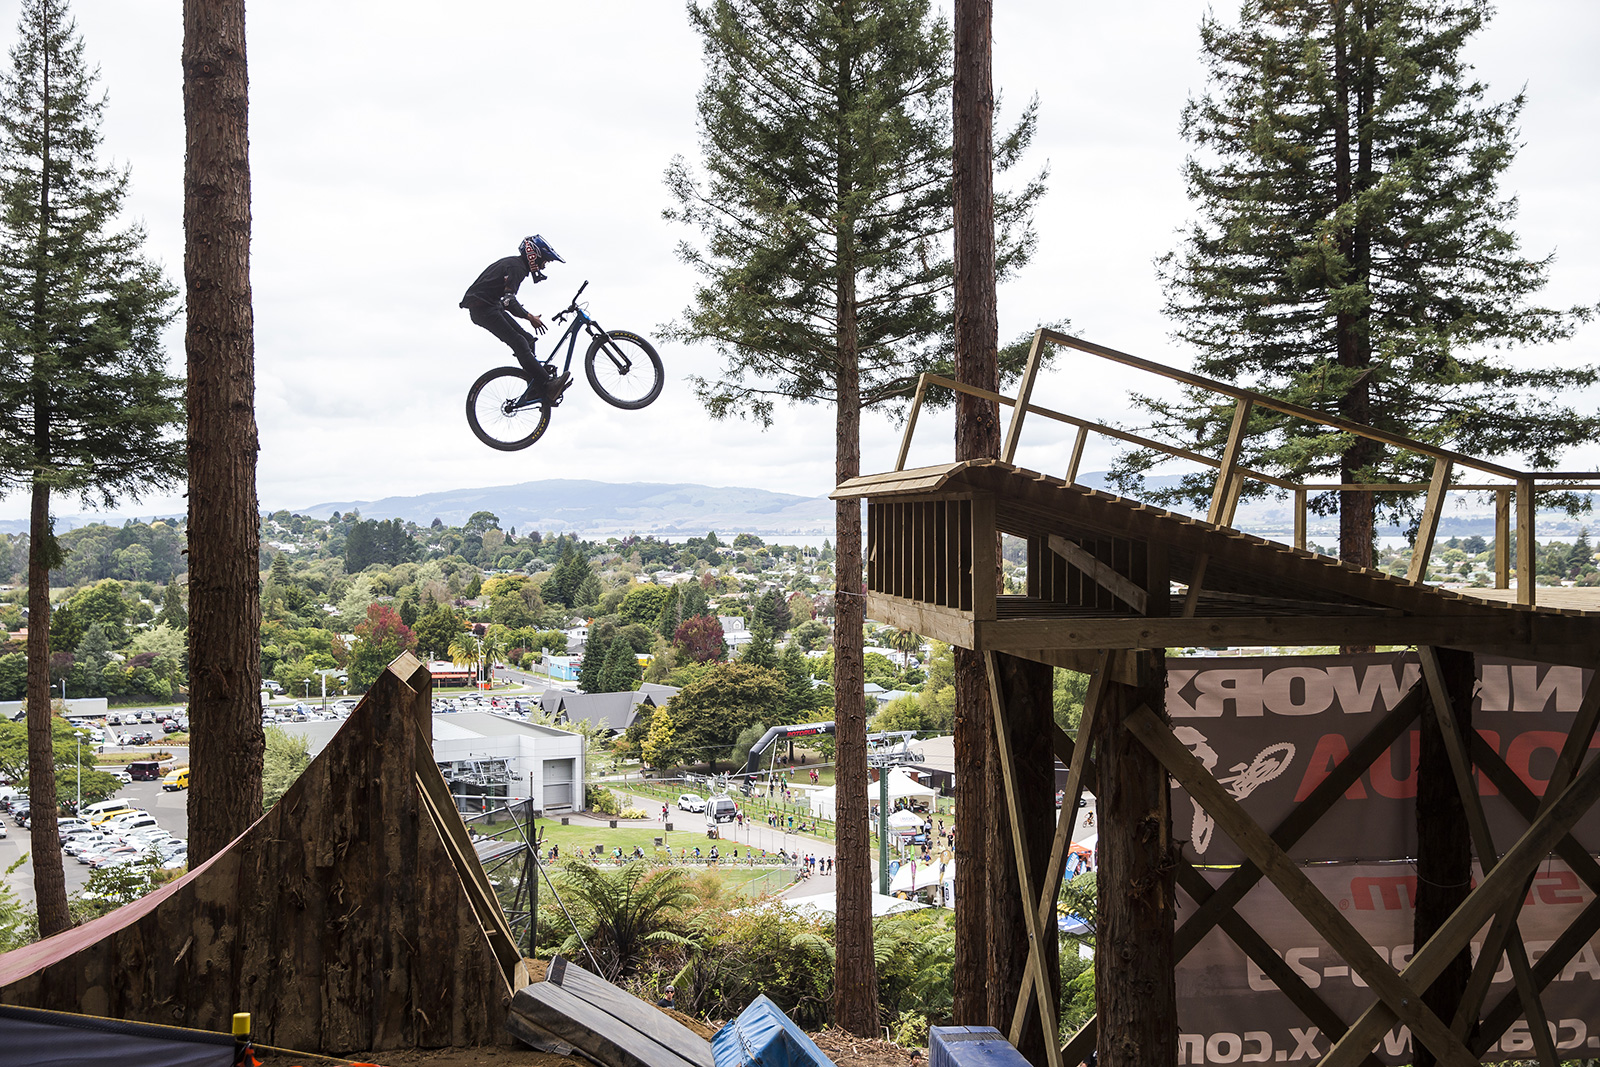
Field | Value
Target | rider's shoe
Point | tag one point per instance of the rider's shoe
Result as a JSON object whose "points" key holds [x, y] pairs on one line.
{"points": [[559, 386]]}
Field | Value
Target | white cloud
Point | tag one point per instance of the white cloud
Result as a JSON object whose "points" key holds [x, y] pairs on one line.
{"points": [[398, 147]]}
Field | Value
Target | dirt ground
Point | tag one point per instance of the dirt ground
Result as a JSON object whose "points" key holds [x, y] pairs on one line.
{"points": [[844, 1049]]}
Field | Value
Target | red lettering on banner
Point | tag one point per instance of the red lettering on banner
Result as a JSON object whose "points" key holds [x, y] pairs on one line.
{"points": [[1384, 782], [1368, 891], [1549, 885], [1331, 750], [1519, 755]]}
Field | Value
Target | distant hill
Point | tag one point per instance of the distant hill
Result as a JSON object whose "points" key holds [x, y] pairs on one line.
{"points": [[590, 508], [680, 510]]}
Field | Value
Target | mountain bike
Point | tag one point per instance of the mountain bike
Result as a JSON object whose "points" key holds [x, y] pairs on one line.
{"points": [[507, 407]]}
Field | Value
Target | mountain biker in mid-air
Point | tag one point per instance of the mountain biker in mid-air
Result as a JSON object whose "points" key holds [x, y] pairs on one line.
{"points": [[491, 300]]}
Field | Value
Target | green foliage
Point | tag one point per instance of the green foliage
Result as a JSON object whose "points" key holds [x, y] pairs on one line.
{"points": [[379, 640], [371, 542], [623, 915], [109, 888], [1068, 693], [599, 798], [915, 957], [593, 664], [621, 672], [826, 202], [643, 604], [89, 408], [1353, 253], [18, 924], [439, 629], [787, 956], [285, 759], [710, 713]]}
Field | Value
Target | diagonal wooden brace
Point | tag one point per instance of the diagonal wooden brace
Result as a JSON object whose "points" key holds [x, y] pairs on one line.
{"points": [[1505, 884], [1393, 993], [1030, 917]]}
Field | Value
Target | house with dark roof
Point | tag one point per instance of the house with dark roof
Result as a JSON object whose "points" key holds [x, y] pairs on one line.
{"points": [[614, 711]]}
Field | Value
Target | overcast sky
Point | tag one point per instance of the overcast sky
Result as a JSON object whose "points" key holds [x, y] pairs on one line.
{"points": [[398, 147]]}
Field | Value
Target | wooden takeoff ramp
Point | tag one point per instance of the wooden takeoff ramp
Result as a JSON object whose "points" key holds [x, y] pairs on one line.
{"points": [[353, 916], [1110, 584]]}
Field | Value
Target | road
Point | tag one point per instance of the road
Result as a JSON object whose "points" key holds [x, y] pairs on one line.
{"points": [[169, 808]]}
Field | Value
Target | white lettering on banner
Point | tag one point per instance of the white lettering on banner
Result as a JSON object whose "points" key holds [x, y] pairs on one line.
{"points": [[1305, 1043], [1256, 978], [1191, 1048], [1293, 958], [1223, 1048], [1263, 1041], [1178, 707], [1528, 693], [1219, 688], [1380, 685], [1397, 1042], [1313, 695], [1580, 1033], [1584, 961]]}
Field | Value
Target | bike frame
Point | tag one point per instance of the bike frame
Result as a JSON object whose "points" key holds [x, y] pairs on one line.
{"points": [[582, 321]]}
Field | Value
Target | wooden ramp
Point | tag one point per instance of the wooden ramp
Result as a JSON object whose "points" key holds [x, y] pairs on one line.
{"points": [[575, 1008], [1101, 571], [353, 916]]}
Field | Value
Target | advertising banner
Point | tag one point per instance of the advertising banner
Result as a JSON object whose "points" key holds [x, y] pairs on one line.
{"points": [[1230, 1012], [1270, 729]]}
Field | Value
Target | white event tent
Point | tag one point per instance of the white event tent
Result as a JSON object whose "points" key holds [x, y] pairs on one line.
{"points": [[901, 787]]}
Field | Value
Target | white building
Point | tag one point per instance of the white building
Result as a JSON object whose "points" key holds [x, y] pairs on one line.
{"points": [[486, 757]]}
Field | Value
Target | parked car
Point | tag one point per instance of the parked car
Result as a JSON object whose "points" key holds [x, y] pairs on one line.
{"points": [[691, 802], [76, 843], [175, 780], [144, 737], [65, 828]]}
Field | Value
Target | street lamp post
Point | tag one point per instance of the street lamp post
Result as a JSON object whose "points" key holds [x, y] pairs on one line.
{"points": [[77, 736], [324, 672]]}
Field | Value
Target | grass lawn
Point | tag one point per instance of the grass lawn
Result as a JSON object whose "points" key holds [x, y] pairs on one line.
{"points": [[122, 759]]}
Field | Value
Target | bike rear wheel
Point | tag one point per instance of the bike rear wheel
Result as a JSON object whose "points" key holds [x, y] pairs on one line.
{"points": [[498, 414], [624, 369]]}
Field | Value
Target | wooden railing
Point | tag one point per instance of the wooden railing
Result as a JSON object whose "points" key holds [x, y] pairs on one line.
{"points": [[1514, 490]]}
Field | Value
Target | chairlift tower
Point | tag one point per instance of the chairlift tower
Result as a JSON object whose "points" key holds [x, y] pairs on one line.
{"points": [[886, 760]]}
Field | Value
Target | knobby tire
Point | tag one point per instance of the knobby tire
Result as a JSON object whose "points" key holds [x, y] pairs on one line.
{"points": [[635, 388], [494, 415]]}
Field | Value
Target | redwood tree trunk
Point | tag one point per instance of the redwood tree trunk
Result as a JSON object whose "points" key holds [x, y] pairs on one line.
{"points": [[1444, 847], [1025, 686], [855, 974], [977, 334], [1134, 989], [49, 881], [224, 528]]}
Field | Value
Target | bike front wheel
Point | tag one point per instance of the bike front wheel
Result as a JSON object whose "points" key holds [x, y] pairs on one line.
{"points": [[499, 413], [624, 369]]}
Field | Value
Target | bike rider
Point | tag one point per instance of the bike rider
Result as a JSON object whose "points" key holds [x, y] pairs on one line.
{"points": [[491, 301]]}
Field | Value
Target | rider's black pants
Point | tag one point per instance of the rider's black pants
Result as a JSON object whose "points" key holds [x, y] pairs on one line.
{"points": [[500, 322]]}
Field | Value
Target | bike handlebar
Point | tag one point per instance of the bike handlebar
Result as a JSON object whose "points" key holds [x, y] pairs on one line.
{"points": [[570, 308]]}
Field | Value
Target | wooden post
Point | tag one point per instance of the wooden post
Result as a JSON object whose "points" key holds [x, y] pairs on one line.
{"points": [[1008, 451], [1077, 454], [1300, 519], [1502, 538], [1021, 700], [1444, 848], [1526, 545], [1226, 494], [1134, 984], [911, 424], [1437, 488]]}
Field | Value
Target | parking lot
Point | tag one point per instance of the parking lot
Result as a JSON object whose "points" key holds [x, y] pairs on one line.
{"points": [[170, 811]]}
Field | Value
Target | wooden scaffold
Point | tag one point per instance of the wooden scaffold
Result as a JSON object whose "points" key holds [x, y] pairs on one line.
{"points": [[1113, 582]]}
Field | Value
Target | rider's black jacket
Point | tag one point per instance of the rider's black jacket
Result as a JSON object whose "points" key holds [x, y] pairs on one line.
{"points": [[497, 286]]}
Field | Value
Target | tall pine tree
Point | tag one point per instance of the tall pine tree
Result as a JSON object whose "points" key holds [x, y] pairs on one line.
{"points": [[1353, 252], [86, 405], [826, 212]]}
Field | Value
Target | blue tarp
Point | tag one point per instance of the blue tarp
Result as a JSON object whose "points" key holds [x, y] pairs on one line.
{"points": [[59, 1039], [763, 1036]]}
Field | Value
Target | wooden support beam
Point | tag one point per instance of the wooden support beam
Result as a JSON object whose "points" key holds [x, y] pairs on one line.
{"points": [[1527, 547], [1304, 816], [1453, 735], [1120, 586], [1438, 487], [985, 557], [1008, 452], [1225, 496], [911, 423], [1501, 929], [1499, 887], [1060, 846], [1502, 538], [1394, 994], [1077, 454], [1041, 981], [1300, 519]]}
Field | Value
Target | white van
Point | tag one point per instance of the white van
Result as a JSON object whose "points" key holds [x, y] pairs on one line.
{"points": [[90, 811], [132, 822]]}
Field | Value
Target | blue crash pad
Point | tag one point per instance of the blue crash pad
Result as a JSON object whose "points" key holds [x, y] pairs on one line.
{"points": [[971, 1046], [763, 1036]]}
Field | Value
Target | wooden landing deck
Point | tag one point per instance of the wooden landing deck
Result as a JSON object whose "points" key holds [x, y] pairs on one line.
{"points": [[1101, 570]]}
